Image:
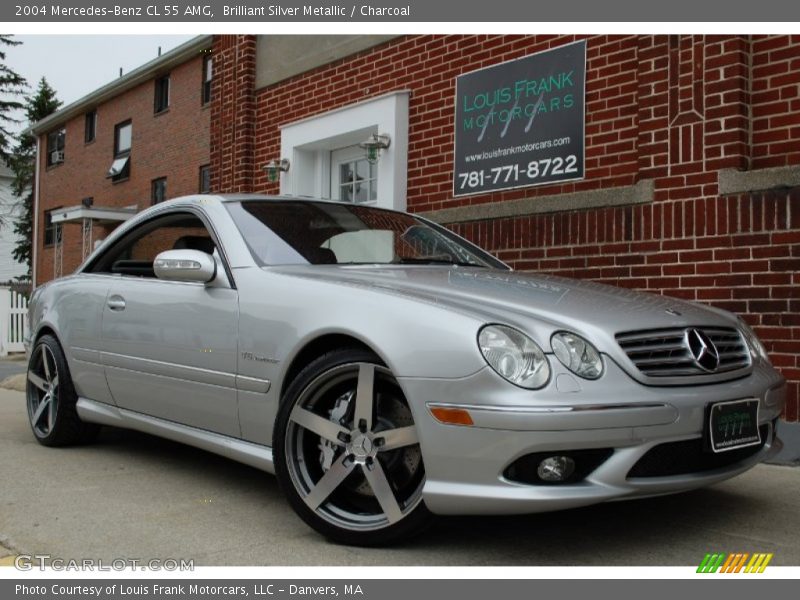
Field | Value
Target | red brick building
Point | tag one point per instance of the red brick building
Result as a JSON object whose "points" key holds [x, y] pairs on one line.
{"points": [[138, 140], [692, 161]]}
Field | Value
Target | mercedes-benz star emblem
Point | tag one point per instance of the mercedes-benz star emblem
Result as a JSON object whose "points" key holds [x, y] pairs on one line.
{"points": [[703, 350]]}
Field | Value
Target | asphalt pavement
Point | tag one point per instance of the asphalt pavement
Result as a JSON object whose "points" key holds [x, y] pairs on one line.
{"points": [[130, 495]]}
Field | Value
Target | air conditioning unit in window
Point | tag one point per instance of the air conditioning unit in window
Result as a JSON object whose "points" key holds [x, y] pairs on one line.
{"points": [[56, 156]]}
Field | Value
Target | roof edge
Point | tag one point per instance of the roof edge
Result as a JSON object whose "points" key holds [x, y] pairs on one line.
{"points": [[174, 57]]}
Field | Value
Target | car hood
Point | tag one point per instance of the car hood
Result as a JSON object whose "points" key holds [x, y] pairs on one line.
{"points": [[513, 297]]}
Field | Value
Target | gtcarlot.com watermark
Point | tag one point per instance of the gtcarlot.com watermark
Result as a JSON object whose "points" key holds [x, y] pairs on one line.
{"points": [[30, 562]]}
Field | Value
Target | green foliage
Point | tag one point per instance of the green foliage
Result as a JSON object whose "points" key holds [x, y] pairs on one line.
{"points": [[12, 87], [23, 162]]}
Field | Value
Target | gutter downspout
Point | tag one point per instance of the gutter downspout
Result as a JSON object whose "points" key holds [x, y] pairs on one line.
{"points": [[35, 240]]}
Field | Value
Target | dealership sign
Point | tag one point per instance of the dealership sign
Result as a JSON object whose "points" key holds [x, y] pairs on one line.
{"points": [[521, 122]]}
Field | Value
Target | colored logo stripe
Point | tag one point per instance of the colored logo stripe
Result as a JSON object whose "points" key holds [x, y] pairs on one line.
{"points": [[758, 563], [711, 562], [735, 562]]}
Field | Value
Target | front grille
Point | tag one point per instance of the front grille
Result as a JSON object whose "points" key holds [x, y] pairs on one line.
{"points": [[666, 353], [682, 458]]}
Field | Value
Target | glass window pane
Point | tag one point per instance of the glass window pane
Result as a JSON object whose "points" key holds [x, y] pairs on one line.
{"points": [[124, 138], [373, 190], [346, 193], [362, 192], [362, 169], [346, 173], [205, 179], [117, 167]]}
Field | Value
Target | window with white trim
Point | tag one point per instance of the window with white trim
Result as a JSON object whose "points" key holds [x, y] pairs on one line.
{"points": [[326, 161], [353, 177], [56, 140]]}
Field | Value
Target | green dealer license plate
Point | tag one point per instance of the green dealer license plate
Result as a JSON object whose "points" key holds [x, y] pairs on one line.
{"points": [[734, 425]]}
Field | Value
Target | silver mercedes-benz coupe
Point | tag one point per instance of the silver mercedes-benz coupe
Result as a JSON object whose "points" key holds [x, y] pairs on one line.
{"points": [[387, 370]]}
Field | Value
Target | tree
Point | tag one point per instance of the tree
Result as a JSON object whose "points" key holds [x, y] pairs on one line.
{"points": [[23, 162], [12, 86]]}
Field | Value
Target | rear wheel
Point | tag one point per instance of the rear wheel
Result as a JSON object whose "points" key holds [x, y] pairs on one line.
{"points": [[347, 453], [51, 398]]}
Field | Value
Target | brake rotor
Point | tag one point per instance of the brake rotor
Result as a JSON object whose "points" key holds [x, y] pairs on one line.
{"points": [[402, 463]]}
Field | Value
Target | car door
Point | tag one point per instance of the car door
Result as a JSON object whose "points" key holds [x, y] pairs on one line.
{"points": [[170, 347], [79, 312]]}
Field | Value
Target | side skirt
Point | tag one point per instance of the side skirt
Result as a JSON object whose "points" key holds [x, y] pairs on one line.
{"points": [[248, 453]]}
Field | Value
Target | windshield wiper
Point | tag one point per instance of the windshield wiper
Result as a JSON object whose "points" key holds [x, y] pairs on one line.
{"points": [[435, 260]]}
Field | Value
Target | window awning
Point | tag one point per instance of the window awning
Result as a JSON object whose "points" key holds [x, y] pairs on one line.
{"points": [[118, 166], [72, 214]]}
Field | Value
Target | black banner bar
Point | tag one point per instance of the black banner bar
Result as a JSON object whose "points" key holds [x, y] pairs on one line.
{"points": [[474, 11], [730, 588]]}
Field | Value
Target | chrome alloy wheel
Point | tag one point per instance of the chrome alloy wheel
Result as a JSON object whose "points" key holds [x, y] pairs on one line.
{"points": [[42, 391], [352, 451]]}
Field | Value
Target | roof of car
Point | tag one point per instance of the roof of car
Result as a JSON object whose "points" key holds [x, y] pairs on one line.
{"points": [[226, 198], [240, 197]]}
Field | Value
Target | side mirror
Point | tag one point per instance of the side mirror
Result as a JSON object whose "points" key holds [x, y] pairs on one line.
{"points": [[185, 265]]}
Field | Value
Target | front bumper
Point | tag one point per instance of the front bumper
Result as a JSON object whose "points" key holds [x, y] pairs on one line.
{"points": [[465, 465]]}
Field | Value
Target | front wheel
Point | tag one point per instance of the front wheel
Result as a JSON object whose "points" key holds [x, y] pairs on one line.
{"points": [[347, 454]]}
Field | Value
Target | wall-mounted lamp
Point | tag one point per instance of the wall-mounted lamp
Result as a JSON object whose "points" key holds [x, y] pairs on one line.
{"points": [[274, 168], [374, 144]]}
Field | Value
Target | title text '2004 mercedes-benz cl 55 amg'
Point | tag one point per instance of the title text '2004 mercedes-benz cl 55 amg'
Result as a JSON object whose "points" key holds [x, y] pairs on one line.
{"points": [[387, 370]]}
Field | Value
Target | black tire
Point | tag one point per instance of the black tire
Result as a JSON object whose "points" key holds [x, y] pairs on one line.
{"points": [[52, 414], [352, 513]]}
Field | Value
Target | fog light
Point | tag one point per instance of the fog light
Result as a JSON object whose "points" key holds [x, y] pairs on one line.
{"points": [[556, 468]]}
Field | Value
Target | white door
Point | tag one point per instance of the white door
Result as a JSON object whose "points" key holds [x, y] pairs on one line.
{"points": [[353, 178]]}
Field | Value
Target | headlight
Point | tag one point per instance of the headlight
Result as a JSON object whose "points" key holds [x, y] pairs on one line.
{"points": [[757, 349], [515, 356], [578, 355]]}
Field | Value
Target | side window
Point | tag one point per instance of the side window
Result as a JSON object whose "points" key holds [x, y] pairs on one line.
{"points": [[205, 91], [56, 141], [123, 139], [52, 231], [161, 96], [134, 254]]}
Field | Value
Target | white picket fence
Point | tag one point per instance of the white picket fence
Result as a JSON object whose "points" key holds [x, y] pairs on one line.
{"points": [[13, 321]]}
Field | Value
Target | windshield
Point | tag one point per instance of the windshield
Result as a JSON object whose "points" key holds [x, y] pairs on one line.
{"points": [[302, 231]]}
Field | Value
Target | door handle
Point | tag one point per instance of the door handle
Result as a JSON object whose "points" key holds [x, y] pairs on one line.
{"points": [[116, 303]]}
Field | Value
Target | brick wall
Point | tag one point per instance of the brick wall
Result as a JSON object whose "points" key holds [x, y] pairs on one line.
{"points": [[233, 113], [164, 238], [172, 144], [775, 100]]}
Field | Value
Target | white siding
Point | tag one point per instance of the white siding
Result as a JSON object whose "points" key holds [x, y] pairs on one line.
{"points": [[9, 209]]}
